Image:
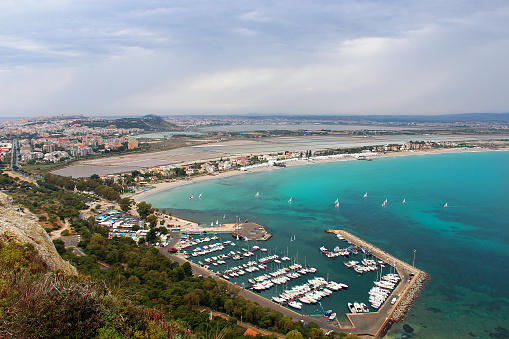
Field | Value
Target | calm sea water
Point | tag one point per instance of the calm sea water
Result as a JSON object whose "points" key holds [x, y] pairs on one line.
{"points": [[464, 247]]}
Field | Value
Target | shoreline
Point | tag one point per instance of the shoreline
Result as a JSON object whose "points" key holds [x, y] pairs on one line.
{"points": [[158, 187]]}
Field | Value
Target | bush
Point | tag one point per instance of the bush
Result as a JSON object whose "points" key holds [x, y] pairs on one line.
{"points": [[59, 246], [40, 304], [65, 233], [233, 321]]}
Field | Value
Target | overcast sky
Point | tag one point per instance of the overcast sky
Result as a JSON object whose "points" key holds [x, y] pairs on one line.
{"points": [[235, 57]]}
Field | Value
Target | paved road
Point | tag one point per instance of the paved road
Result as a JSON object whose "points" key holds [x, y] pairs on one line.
{"points": [[72, 241]]}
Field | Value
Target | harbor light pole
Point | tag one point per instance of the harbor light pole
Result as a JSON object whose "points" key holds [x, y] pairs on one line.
{"points": [[413, 262]]}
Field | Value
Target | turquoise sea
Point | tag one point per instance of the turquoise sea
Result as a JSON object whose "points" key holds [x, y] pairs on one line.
{"points": [[464, 247]]}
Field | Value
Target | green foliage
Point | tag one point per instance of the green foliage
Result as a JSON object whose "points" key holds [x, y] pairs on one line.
{"points": [[233, 321], [151, 236], [125, 204], [14, 256], [40, 304], [152, 219], [144, 209], [295, 334], [59, 246]]}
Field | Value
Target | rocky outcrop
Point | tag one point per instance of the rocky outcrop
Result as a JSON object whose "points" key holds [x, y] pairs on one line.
{"points": [[16, 225]]}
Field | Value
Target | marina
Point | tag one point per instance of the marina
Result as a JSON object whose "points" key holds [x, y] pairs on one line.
{"points": [[297, 287], [412, 279]]}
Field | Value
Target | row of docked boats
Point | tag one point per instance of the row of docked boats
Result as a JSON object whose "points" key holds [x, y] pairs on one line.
{"points": [[340, 252], [383, 289], [206, 249], [237, 271], [188, 241], [367, 265], [358, 307], [250, 267], [279, 277], [308, 293], [238, 255]]}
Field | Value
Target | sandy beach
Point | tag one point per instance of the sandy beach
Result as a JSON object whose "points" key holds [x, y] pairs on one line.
{"points": [[168, 185]]}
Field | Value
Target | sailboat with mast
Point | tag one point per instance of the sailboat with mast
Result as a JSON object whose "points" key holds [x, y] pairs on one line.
{"points": [[257, 194], [366, 195], [290, 199], [385, 203]]}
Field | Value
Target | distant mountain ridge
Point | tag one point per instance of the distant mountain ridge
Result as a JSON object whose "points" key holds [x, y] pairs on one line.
{"points": [[445, 118]]}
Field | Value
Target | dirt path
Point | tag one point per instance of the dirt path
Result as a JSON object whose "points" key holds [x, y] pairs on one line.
{"points": [[58, 233]]}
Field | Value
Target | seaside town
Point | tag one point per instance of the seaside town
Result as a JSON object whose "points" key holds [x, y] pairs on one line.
{"points": [[237, 253], [254, 169]]}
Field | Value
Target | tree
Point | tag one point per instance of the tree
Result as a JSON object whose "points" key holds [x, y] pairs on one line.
{"points": [[151, 236], [188, 271], [191, 299], [286, 324], [233, 321], [59, 246], [125, 204], [152, 219], [228, 306], [144, 209], [295, 334], [317, 333]]}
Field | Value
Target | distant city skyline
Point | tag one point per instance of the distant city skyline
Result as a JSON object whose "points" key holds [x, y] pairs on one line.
{"points": [[118, 58]]}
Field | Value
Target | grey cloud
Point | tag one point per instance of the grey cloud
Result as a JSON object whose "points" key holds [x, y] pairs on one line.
{"points": [[355, 57]]}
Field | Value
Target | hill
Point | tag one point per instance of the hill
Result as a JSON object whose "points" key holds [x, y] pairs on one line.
{"points": [[151, 123], [21, 226]]}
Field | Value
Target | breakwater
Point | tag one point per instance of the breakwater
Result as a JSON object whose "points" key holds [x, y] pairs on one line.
{"points": [[405, 304], [378, 323]]}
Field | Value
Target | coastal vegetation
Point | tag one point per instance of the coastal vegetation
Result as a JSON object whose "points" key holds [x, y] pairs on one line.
{"points": [[123, 290]]}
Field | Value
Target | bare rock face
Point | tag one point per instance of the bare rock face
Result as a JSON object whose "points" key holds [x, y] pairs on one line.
{"points": [[22, 227]]}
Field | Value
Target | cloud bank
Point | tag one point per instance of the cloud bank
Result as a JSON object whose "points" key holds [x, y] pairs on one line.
{"points": [[236, 57]]}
